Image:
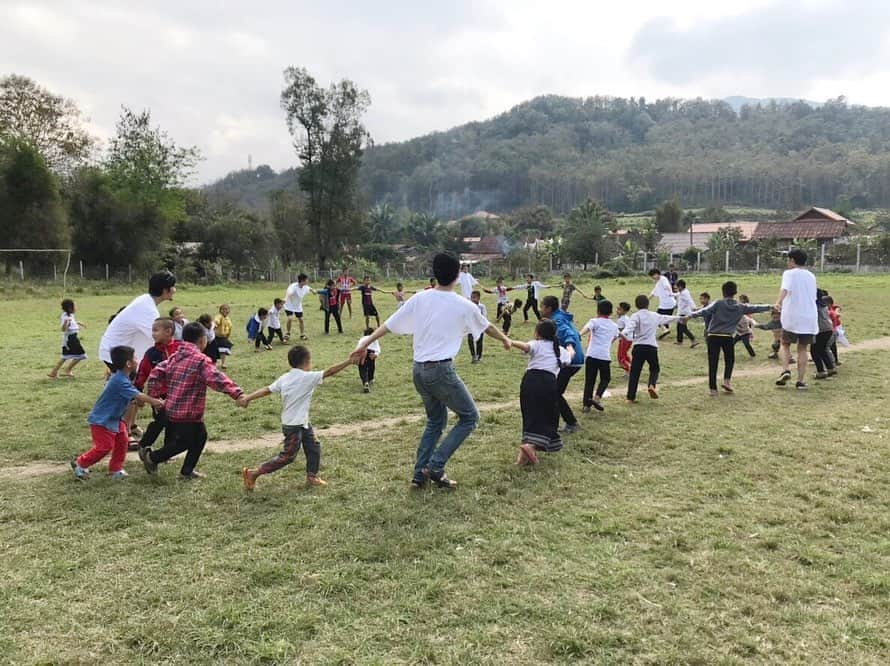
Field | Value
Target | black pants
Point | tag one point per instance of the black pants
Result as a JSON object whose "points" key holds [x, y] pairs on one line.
{"points": [[366, 370], [540, 415], [155, 428], [533, 304], [745, 340], [500, 309], [716, 344], [822, 356], [506, 322], [475, 345], [667, 311], [683, 330], [592, 368], [294, 437], [261, 339], [188, 437], [562, 383], [641, 354], [273, 332], [332, 311]]}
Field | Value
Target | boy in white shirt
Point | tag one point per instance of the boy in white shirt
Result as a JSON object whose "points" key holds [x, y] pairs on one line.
{"points": [[664, 292], [293, 303], [438, 319], [296, 388], [368, 368], [475, 344], [275, 320], [466, 281], [533, 296], [641, 328], [685, 307], [800, 318], [603, 332]]}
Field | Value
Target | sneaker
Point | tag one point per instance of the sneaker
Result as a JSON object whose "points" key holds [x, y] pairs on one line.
{"points": [[80, 473], [773, 356], [151, 467], [247, 479], [475, 360], [312, 480], [193, 476], [304, 337], [267, 347], [783, 378], [133, 444], [801, 386], [820, 375], [366, 388], [653, 392], [569, 428], [598, 406], [287, 337], [118, 475]]}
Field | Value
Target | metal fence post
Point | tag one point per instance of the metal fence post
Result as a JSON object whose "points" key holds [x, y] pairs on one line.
{"points": [[106, 272], [80, 261], [22, 269], [727, 262], [757, 264], [822, 259], [698, 262], [858, 254]]}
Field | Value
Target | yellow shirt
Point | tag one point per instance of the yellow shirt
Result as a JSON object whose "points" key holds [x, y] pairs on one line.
{"points": [[223, 326]]}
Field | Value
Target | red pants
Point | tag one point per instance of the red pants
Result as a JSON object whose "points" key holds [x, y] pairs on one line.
{"points": [[104, 441], [624, 353]]}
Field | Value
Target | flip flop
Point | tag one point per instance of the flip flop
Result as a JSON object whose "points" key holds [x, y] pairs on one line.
{"points": [[727, 388]]}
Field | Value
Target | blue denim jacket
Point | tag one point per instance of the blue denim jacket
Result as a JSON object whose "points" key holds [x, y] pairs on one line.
{"points": [[567, 334]]}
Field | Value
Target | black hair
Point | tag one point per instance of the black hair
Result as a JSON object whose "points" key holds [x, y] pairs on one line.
{"points": [[567, 275], [828, 300], [111, 318], [654, 271], [367, 277], [597, 288], [820, 294], [529, 275], [67, 306], [301, 277], [705, 294], [642, 302], [500, 278], [551, 302], [743, 298], [517, 304], [329, 284], [624, 305], [206, 321], [161, 282], [297, 356], [193, 332], [546, 330], [445, 268], [120, 356], [399, 286], [368, 331], [798, 256], [476, 292], [262, 312], [432, 280], [167, 323], [681, 284], [604, 307], [729, 289], [173, 310], [277, 301]]}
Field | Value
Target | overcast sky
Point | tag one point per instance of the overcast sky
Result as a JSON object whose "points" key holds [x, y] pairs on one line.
{"points": [[211, 71]]}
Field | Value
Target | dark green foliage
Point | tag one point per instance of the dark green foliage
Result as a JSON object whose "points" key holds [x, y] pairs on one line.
{"points": [[583, 232], [669, 216]]}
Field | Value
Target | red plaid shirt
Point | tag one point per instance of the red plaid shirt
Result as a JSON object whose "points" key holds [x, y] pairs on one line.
{"points": [[153, 357], [187, 374]]}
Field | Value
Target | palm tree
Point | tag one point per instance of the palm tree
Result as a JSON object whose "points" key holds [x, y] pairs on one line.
{"points": [[383, 222]]}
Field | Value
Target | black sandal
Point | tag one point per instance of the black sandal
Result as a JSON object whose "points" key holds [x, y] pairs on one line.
{"points": [[442, 481]]}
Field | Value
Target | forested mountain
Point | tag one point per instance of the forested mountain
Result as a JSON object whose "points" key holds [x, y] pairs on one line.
{"points": [[631, 154]]}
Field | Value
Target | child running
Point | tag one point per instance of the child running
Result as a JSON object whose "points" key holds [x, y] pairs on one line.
{"points": [[223, 328], [624, 344], [506, 315], [368, 368], [603, 332], [368, 307], [72, 349], [642, 328], [500, 291], [538, 394], [744, 333], [399, 294], [475, 344], [275, 321], [723, 320], [296, 388], [330, 301], [293, 304], [185, 377], [685, 307], [164, 347], [107, 428]]}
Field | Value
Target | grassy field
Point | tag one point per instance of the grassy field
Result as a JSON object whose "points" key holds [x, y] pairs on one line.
{"points": [[748, 529]]}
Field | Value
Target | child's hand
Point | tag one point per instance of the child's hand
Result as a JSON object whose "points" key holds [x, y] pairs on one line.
{"points": [[242, 401]]}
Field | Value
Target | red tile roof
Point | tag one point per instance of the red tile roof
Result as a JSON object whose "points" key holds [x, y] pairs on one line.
{"points": [[816, 229]]}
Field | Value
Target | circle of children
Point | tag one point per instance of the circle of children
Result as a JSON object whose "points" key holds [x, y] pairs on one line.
{"points": [[168, 363]]}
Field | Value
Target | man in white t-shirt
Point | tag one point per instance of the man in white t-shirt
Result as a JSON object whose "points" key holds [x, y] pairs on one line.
{"points": [[438, 319], [293, 303], [800, 317], [466, 281], [131, 327], [664, 291]]}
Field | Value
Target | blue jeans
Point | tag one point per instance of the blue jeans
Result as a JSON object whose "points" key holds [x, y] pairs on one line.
{"points": [[441, 389]]}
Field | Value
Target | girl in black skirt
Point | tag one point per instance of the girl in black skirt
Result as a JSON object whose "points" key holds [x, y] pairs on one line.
{"points": [[538, 394], [72, 350]]}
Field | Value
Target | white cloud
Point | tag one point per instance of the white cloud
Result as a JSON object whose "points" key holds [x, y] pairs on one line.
{"points": [[211, 72]]}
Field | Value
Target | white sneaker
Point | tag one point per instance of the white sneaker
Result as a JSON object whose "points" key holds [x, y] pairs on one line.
{"points": [[120, 474]]}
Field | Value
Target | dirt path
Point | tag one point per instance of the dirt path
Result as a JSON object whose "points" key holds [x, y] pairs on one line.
{"points": [[272, 440]]}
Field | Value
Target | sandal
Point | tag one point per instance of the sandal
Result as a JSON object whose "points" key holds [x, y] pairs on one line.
{"points": [[441, 480], [727, 388]]}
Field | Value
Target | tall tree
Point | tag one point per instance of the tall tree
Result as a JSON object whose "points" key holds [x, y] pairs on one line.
{"points": [[329, 137], [583, 231], [669, 216], [382, 219], [49, 122]]}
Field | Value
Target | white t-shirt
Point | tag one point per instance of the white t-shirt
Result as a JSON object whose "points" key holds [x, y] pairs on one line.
{"points": [[622, 322], [438, 320], [466, 282], [374, 346], [274, 320], [131, 327], [536, 287], [296, 389], [685, 304], [643, 326], [603, 332], [541, 356], [293, 298], [665, 294], [799, 313], [73, 327]]}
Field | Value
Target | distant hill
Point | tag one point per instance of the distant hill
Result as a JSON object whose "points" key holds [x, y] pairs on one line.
{"points": [[630, 154], [737, 102]]}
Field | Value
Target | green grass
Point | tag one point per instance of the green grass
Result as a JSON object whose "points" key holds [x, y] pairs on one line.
{"points": [[748, 529]]}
